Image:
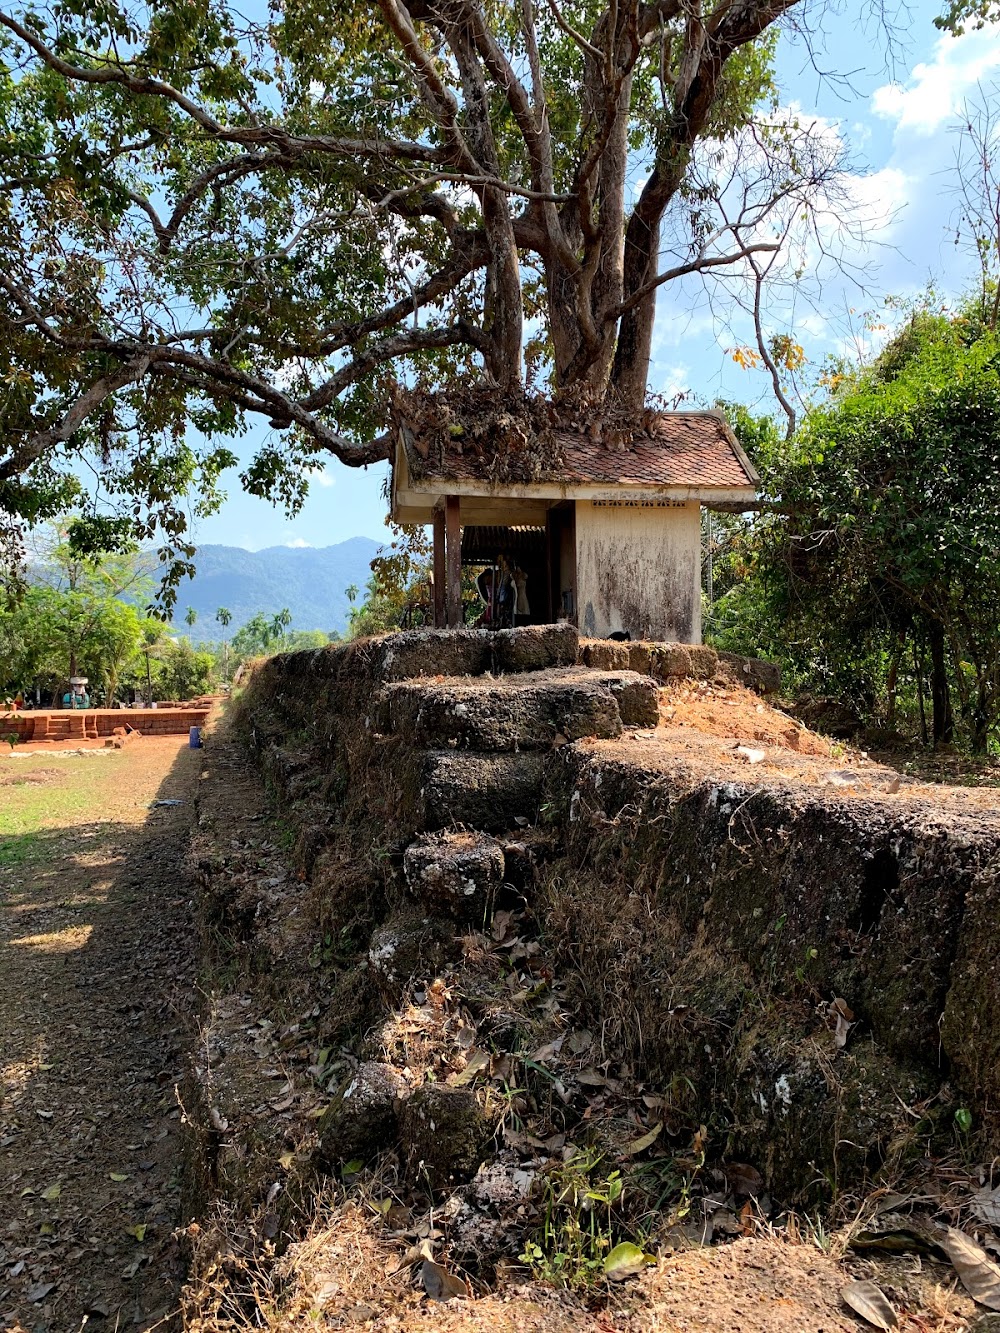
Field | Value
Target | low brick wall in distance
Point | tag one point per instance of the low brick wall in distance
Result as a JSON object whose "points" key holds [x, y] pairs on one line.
{"points": [[90, 724]]}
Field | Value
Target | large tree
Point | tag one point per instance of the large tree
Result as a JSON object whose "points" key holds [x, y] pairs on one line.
{"points": [[205, 218]]}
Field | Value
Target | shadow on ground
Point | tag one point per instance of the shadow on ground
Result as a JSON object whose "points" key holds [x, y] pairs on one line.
{"points": [[97, 999]]}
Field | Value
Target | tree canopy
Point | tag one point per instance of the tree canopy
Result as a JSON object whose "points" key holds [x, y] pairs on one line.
{"points": [[207, 218], [887, 535]]}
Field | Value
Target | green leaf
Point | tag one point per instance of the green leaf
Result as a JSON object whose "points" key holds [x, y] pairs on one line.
{"points": [[52, 1193], [625, 1260]]}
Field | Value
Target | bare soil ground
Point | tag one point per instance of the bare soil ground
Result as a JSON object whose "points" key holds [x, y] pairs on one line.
{"points": [[779, 1283], [96, 973], [728, 732]]}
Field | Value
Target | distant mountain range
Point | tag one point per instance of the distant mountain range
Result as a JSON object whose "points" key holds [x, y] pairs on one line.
{"points": [[311, 581]]}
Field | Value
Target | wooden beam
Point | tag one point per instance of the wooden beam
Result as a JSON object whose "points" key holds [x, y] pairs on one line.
{"points": [[453, 545], [551, 568], [440, 576]]}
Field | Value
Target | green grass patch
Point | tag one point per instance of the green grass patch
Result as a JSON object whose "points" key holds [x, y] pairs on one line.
{"points": [[19, 851], [42, 792]]}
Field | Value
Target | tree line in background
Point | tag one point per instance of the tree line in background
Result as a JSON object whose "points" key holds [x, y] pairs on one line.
{"points": [[85, 617]]}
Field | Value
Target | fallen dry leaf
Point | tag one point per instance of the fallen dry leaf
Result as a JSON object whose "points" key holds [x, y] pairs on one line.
{"points": [[979, 1275], [842, 1016], [478, 1062], [986, 1206], [869, 1301], [646, 1140], [441, 1285]]}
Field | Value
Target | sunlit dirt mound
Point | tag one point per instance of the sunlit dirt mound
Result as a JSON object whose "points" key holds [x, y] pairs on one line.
{"points": [[733, 712]]}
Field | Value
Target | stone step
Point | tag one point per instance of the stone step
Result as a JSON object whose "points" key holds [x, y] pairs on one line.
{"points": [[455, 874], [481, 791], [409, 654], [531, 711]]}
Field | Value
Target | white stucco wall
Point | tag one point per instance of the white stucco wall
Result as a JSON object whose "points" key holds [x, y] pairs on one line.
{"points": [[638, 568]]}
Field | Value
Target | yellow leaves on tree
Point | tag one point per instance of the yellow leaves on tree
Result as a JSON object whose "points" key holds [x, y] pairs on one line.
{"points": [[784, 352]]}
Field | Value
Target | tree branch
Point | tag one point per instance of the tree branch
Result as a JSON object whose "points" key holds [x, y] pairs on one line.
{"points": [[572, 33], [415, 340], [293, 145], [36, 445], [438, 99], [693, 266]]}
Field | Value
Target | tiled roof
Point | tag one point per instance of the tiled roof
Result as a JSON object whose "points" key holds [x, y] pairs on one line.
{"points": [[679, 449]]}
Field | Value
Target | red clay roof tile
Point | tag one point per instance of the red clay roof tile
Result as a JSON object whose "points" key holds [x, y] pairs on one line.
{"points": [[683, 449]]}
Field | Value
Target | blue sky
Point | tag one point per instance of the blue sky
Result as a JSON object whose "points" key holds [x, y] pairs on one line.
{"points": [[896, 115]]}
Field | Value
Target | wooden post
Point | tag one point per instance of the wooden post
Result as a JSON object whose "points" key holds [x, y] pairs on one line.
{"points": [[453, 545], [440, 576], [551, 567]]}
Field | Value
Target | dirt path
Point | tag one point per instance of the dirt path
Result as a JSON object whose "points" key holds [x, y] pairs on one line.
{"points": [[96, 991]]}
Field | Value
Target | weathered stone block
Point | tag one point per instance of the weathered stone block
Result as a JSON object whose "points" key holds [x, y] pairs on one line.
{"points": [[640, 657], [637, 697], [604, 654], [485, 791], [445, 1134], [526, 712], [409, 947], [756, 674], [535, 647], [457, 874], [704, 661], [669, 660], [362, 1118], [430, 652]]}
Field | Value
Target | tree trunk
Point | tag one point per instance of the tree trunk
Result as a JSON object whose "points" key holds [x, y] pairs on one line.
{"points": [[503, 312], [918, 667], [942, 719], [982, 718], [892, 682], [630, 372], [564, 324]]}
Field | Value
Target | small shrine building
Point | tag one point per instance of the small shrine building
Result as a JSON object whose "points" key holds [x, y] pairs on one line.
{"points": [[595, 520]]}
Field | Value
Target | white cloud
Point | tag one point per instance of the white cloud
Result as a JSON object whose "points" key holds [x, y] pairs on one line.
{"points": [[878, 198], [814, 324], [670, 381], [299, 543], [935, 91], [319, 475]]}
